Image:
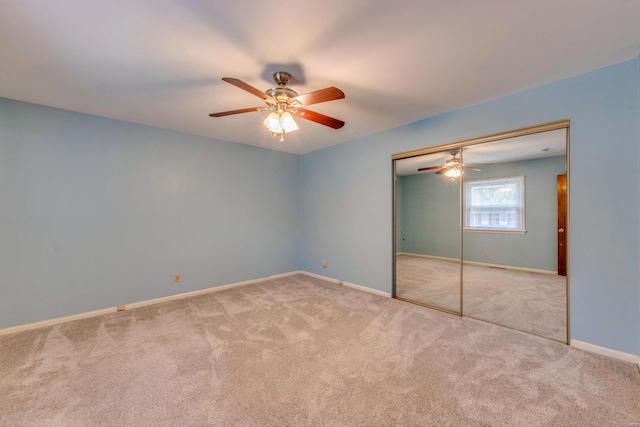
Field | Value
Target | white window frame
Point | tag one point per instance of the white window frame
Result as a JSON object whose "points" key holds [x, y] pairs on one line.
{"points": [[491, 215]]}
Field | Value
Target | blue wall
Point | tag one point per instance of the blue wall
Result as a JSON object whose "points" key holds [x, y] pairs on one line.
{"points": [[97, 212], [346, 194]]}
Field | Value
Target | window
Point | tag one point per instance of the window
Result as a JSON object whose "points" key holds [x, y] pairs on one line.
{"points": [[495, 204]]}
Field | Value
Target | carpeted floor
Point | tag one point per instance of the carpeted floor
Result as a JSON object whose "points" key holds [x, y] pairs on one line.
{"points": [[300, 351], [530, 302], [429, 281]]}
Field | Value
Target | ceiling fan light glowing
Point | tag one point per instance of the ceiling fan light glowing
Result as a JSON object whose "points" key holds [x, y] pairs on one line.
{"points": [[272, 122], [453, 172], [452, 168], [280, 122], [287, 122]]}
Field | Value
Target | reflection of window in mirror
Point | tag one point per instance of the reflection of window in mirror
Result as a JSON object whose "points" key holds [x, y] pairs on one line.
{"points": [[503, 271], [495, 204]]}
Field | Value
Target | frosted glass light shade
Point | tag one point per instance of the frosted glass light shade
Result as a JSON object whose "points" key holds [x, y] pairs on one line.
{"points": [[279, 123], [272, 122], [287, 123]]}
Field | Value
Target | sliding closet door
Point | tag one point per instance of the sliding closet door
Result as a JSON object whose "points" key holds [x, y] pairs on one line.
{"points": [[428, 235], [510, 233]]}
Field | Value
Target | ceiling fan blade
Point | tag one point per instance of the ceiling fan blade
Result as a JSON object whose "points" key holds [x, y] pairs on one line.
{"points": [[429, 168], [322, 95], [319, 118], [244, 110], [245, 86], [441, 171]]}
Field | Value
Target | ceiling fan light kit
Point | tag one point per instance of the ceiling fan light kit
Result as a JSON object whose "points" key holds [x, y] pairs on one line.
{"points": [[452, 168], [284, 103], [453, 173], [280, 123]]}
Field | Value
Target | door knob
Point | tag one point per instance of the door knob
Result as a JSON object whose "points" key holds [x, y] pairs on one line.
{"points": [[561, 230]]}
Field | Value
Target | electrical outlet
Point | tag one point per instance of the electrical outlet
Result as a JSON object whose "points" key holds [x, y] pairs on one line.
{"points": [[486, 253], [176, 278], [324, 263]]}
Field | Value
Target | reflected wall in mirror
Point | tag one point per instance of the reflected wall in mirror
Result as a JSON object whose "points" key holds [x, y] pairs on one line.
{"points": [[510, 233], [428, 233], [481, 229]]}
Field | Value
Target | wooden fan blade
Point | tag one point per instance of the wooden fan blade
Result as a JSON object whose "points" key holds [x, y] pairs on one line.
{"points": [[245, 86], [322, 95], [244, 110], [429, 168], [319, 118], [441, 171]]}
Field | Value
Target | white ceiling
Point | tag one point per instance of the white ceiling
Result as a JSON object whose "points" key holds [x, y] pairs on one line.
{"points": [[535, 146], [159, 62]]}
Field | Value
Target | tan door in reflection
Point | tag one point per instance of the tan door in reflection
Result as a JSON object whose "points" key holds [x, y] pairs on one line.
{"points": [[562, 225]]}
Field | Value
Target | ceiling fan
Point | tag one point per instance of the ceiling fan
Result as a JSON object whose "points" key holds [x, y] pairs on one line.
{"points": [[452, 167], [284, 103]]}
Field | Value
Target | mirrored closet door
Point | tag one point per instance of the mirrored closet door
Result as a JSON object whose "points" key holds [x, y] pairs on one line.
{"points": [[481, 229], [510, 233], [428, 233]]}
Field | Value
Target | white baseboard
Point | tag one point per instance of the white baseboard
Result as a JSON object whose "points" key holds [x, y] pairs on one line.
{"points": [[319, 276], [348, 284], [85, 315], [366, 289], [441, 258], [511, 267], [291, 273], [615, 354], [189, 294], [56, 321], [482, 264]]}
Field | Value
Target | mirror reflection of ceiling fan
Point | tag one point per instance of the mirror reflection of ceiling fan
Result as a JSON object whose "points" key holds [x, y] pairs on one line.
{"points": [[284, 103], [452, 168]]}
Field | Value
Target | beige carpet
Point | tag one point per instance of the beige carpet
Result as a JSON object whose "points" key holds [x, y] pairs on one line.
{"points": [[299, 351], [530, 302], [429, 281]]}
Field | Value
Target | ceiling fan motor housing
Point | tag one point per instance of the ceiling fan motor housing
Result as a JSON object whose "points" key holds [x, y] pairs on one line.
{"points": [[281, 94], [280, 98]]}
